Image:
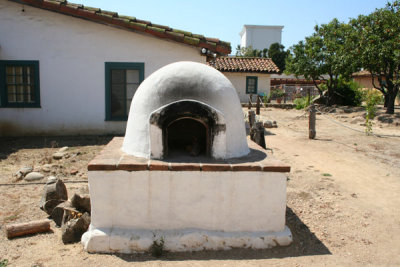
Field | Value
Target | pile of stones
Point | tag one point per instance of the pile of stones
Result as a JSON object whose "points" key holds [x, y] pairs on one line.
{"points": [[30, 174], [73, 216]]}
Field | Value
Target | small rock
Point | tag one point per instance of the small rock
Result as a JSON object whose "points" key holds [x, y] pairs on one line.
{"points": [[46, 168], [63, 149], [268, 124], [58, 155], [25, 170], [73, 171], [33, 176], [18, 176]]}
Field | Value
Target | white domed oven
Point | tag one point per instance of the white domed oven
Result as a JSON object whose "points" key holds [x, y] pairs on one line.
{"points": [[185, 172]]}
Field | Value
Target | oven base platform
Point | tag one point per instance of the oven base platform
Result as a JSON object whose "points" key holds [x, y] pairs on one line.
{"points": [[136, 241]]}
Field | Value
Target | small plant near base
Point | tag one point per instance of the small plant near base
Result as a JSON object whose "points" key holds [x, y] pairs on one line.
{"points": [[303, 102], [157, 248], [371, 100], [327, 174], [3, 263], [267, 99]]}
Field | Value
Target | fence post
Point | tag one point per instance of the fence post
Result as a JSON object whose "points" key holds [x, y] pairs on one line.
{"points": [[311, 124], [250, 100], [258, 105], [252, 118]]}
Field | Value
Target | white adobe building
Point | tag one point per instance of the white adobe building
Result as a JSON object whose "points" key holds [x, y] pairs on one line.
{"points": [[260, 36], [70, 69]]}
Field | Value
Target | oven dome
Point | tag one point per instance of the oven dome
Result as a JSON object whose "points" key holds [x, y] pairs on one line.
{"points": [[185, 90]]}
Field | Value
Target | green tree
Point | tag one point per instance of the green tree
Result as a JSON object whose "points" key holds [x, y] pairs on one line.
{"points": [[278, 55], [324, 53], [247, 52], [377, 49]]}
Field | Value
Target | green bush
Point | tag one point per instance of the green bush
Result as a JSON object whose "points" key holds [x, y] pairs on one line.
{"points": [[347, 93], [302, 102]]}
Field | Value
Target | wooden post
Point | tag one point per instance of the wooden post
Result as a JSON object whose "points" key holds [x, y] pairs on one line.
{"points": [[258, 105], [20, 229], [250, 99], [252, 118], [311, 124], [257, 134]]}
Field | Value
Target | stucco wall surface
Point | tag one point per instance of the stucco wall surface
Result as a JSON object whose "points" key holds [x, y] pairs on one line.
{"points": [[184, 208], [239, 82], [260, 37], [71, 54]]}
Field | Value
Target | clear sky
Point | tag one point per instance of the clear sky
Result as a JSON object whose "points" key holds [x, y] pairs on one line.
{"points": [[224, 19]]}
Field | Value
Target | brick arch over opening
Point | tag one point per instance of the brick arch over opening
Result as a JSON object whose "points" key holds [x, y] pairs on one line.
{"points": [[213, 121]]}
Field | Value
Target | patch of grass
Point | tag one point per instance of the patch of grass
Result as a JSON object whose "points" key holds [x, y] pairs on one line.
{"points": [[3, 263], [157, 248], [327, 174]]}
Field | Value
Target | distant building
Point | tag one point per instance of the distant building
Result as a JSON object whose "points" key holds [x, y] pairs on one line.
{"points": [[248, 75], [259, 36]]}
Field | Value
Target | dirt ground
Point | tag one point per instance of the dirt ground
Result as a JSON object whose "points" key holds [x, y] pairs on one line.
{"points": [[343, 197]]}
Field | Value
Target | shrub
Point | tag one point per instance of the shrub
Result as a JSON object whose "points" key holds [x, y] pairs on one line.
{"points": [[372, 98], [347, 93], [302, 102], [277, 93]]}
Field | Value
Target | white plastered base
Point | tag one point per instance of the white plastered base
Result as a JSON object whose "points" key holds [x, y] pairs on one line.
{"points": [[136, 241]]}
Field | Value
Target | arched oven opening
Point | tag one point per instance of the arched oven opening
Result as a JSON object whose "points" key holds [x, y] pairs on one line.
{"points": [[187, 137], [186, 128]]}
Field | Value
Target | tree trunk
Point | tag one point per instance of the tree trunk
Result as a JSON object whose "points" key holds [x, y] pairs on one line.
{"points": [[385, 100], [390, 103]]}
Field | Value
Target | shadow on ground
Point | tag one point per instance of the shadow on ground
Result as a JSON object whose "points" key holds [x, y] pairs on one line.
{"points": [[305, 243], [9, 145]]}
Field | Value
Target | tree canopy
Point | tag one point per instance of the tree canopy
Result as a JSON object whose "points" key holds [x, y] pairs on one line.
{"points": [[278, 55], [322, 54], [336, 49], [376, 44], [276, 52]]}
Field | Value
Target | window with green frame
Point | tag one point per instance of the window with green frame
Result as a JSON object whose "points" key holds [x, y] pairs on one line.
{"points": [[251, 84], [122, 81], [19, 83]]}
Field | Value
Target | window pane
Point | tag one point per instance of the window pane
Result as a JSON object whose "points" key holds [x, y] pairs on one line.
{"points": [[132, 76], [11, 93], [18, 70], [19, 79], [20, 93], [117, 76], [117, 100], [10, 79], [10, 70], [131, 90]]}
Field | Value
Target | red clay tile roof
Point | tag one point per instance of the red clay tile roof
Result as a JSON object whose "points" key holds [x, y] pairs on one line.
{"points": [[361, 73], [131, 23], [244, 64]]}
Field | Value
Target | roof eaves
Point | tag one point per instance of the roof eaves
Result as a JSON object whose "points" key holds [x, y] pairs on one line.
{"points": [[130, 23]]}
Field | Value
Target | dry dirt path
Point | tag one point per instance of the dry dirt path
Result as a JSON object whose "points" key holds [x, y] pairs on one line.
{"points": [[343, 202], [350, 184]]}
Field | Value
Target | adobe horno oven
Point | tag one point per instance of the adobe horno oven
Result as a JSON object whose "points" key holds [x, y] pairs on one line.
{"points": [[185, 172]]}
